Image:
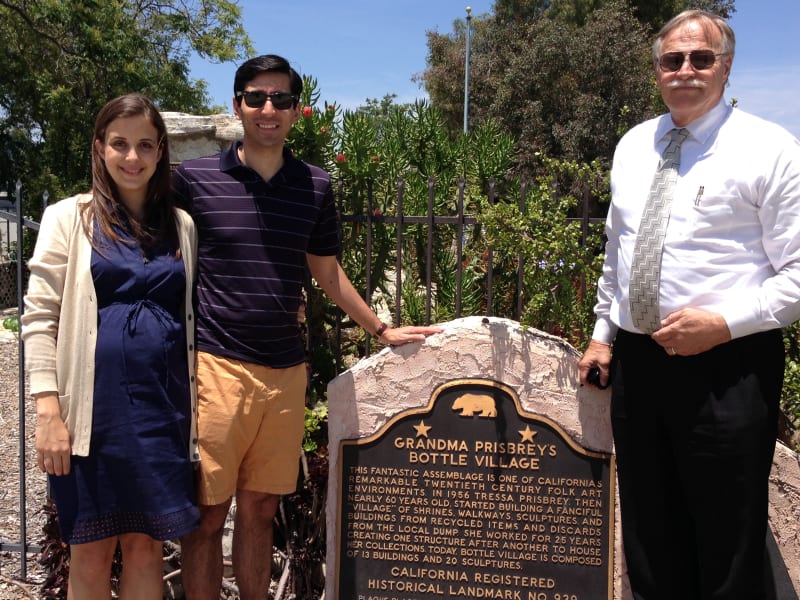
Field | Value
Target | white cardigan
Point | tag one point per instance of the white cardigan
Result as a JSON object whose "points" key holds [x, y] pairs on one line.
{"points": [[59, 324]]}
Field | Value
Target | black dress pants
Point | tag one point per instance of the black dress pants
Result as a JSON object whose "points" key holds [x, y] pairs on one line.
{"points": [[694, 439]]}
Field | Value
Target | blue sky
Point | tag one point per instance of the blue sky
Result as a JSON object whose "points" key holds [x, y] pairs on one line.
{"points": [[362, 49]]}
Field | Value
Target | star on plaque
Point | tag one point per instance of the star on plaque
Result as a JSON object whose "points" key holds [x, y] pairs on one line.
{"points": [[422, 429], [527, 434]]}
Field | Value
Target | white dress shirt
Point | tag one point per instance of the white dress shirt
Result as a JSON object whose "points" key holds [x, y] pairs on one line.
{"points": [[732, 245]]}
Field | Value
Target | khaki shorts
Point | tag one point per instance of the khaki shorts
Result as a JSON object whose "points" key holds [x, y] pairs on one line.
{"points": [[250, 424]]}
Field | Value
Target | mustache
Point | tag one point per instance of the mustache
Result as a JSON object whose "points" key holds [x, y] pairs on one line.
{"points": [[687, 83]]}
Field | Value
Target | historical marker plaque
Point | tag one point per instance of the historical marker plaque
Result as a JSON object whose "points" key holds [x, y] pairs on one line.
{"points": [[470, 497]]}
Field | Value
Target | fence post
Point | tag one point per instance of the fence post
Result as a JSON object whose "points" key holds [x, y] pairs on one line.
{"points": [[460, 247], [520, 260], [338, 311], [23, 513], [584, 238], [490, 261], [368, 271], [398, 259], [429, 251]]}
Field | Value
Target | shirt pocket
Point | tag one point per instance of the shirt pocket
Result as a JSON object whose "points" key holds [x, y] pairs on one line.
{"points": [[714, 214]]}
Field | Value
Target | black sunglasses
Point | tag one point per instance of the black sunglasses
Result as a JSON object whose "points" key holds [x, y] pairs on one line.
{"points": [[280, 100], [699, 59]]}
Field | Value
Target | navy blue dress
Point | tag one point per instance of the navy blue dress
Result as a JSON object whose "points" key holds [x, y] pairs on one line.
{"points": [[138, 477]]}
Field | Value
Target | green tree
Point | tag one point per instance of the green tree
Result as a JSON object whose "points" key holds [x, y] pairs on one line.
{"points": [[559, 89], [565, 77], [61, 60], [653, 13], [378, 108]]}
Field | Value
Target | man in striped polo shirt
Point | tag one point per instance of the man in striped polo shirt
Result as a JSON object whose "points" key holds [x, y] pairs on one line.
{"points": [[261, 216]]}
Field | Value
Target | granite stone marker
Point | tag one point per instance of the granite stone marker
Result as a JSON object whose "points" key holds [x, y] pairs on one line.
{"points": [[470, 466]]}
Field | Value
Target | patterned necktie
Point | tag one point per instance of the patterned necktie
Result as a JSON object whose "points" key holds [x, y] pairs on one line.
{"points": [[646, 262]]}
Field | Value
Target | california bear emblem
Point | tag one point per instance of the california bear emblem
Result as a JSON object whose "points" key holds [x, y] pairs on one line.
{"points": [[469, 404]]}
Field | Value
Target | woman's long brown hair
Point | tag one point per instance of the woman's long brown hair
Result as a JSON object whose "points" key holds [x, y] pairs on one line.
{"points": [[106, 209]]}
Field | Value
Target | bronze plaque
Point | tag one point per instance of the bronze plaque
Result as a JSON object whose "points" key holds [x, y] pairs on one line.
{"points": [[470, 497]]}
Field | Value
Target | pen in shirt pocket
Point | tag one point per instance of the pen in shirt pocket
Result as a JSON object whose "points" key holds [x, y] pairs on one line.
{"points": [[699, 196]]}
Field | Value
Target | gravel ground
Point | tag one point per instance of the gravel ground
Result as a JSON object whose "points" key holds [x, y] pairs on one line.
{"points": [[11, 584]]}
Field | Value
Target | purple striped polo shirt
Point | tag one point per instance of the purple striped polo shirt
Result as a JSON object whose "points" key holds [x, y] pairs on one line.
{"points": [[253, 239]]}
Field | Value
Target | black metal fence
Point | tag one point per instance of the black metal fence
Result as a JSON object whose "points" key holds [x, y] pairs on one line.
{"points": [[19, 544], [460, 220]]}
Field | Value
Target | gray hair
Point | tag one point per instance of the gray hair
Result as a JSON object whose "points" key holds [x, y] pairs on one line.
{"points": [[707, 21]]}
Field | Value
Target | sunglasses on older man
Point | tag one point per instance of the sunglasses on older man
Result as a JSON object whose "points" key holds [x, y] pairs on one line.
{"points": [[699, 59], [280, 100]]}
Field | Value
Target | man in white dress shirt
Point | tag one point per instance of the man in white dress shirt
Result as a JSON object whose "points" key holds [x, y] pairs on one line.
{"points": [[695, 400]]}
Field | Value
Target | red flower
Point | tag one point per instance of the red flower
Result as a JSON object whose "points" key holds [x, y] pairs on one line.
{"points": [[307, 111], [377, 212], [331, 107], [324, 129], [340, 158]]}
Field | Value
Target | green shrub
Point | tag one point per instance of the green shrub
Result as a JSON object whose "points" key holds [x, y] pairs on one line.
{"points": [[11, 323]]}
